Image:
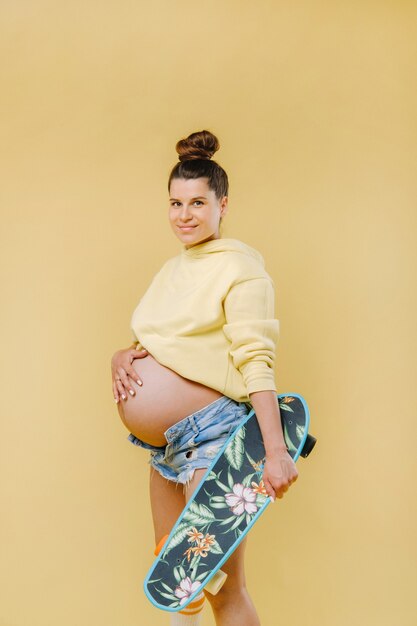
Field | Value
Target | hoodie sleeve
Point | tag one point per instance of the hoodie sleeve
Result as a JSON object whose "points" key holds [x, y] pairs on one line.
{"points": [[252, 332]]}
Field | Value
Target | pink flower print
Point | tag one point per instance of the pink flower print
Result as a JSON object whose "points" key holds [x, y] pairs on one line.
{"points": [[242, 499], [185, 589]]}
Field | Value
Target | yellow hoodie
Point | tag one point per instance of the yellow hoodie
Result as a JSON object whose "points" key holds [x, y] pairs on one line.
{"points": [[208, 314]]}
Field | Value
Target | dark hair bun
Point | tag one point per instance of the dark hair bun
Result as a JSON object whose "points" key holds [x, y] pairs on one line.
{"points": [[200, 145]]}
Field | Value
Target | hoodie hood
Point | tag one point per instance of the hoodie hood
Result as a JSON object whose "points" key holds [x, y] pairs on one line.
{"points": [[222, 245]]}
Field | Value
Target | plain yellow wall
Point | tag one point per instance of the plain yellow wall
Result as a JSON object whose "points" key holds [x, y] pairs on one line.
{"points": [[315, 108]]}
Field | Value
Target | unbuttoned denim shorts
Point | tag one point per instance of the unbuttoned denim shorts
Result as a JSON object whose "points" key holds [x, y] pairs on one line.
{"points": [[194, 441]]}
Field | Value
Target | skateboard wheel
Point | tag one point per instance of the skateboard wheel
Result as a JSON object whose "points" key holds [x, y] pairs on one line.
{"points": [[308, 445], [160, 544], [216, 583]]}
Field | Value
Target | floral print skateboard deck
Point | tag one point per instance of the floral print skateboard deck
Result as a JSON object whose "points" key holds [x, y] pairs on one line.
{"points": [[225, 505]]}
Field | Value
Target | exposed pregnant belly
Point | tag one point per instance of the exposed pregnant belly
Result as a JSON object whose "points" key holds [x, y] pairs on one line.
{"points": [[164, 399]]}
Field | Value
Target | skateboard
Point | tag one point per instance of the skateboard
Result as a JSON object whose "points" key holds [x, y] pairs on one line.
{"points": [[227, 502]]}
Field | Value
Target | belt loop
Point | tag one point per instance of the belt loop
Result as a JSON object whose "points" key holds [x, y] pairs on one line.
{"points": [[193, 424], [168, 434]]}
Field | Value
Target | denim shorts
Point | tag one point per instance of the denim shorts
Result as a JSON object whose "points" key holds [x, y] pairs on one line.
{"points": [[193, 442]]}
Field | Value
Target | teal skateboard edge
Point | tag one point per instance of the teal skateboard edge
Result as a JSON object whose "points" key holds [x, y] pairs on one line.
{"points": [[249, 526]]}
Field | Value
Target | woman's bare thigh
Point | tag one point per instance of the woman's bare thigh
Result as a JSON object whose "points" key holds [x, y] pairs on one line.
{"points": [[167, 502]]}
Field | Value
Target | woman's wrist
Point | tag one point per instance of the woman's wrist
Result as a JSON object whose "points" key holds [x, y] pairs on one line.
{"points": [[275, 448], [265, 404]]}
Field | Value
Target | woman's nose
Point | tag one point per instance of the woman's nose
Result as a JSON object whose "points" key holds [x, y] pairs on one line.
{"points": [[185, 214]]}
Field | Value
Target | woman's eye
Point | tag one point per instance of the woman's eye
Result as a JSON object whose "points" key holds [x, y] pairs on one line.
{"points": [[176, 202]]}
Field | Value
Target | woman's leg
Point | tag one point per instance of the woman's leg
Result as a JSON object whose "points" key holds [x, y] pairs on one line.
{"points": [[232, 604], [167, 503]]}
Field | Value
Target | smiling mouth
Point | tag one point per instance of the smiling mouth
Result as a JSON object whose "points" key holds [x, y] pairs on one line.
{"points": [[187, 227]]}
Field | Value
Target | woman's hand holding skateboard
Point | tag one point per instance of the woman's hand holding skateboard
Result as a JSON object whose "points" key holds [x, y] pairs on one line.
{"points": [[279, 473]]}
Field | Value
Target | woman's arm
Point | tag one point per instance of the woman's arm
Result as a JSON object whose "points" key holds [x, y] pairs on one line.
{"points": [[279, 469], [253, 332], [266, 407]]}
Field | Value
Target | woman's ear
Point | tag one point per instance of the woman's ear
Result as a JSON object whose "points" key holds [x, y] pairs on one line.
{"points": [[223, 206]]}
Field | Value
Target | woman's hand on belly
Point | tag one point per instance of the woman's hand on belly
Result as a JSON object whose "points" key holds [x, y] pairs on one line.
{"points": [[122, 370]]}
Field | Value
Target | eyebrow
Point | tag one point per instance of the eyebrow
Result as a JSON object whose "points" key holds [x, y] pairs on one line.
{"points": [[196, 198]]}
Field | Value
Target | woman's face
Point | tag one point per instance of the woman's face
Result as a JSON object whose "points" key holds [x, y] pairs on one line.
{"points": [[194, 211]]}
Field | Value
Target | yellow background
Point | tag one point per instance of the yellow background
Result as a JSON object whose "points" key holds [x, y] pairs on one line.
{"points": [[315, 106]]}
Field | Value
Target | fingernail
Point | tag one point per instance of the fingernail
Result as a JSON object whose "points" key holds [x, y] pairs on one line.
{"points": [[132, 393], [140, 383], [123, 396], [116, 400], [272, 499]]}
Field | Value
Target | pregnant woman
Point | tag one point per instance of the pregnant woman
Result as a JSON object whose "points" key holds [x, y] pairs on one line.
{"points": [[205, 339]]}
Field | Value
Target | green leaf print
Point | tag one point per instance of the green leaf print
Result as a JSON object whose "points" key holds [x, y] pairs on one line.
{"points": [[299, 431], [228, 520], [177, 537], [219, 505], [222, 486], [238, 521], [246, 482], [194, 564], [219, 502], [198, 514], [169, 596], [253, 462], [285, 407], [177, 575], [235, 450], [260, 499], [215, 548], [288, 441]]}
